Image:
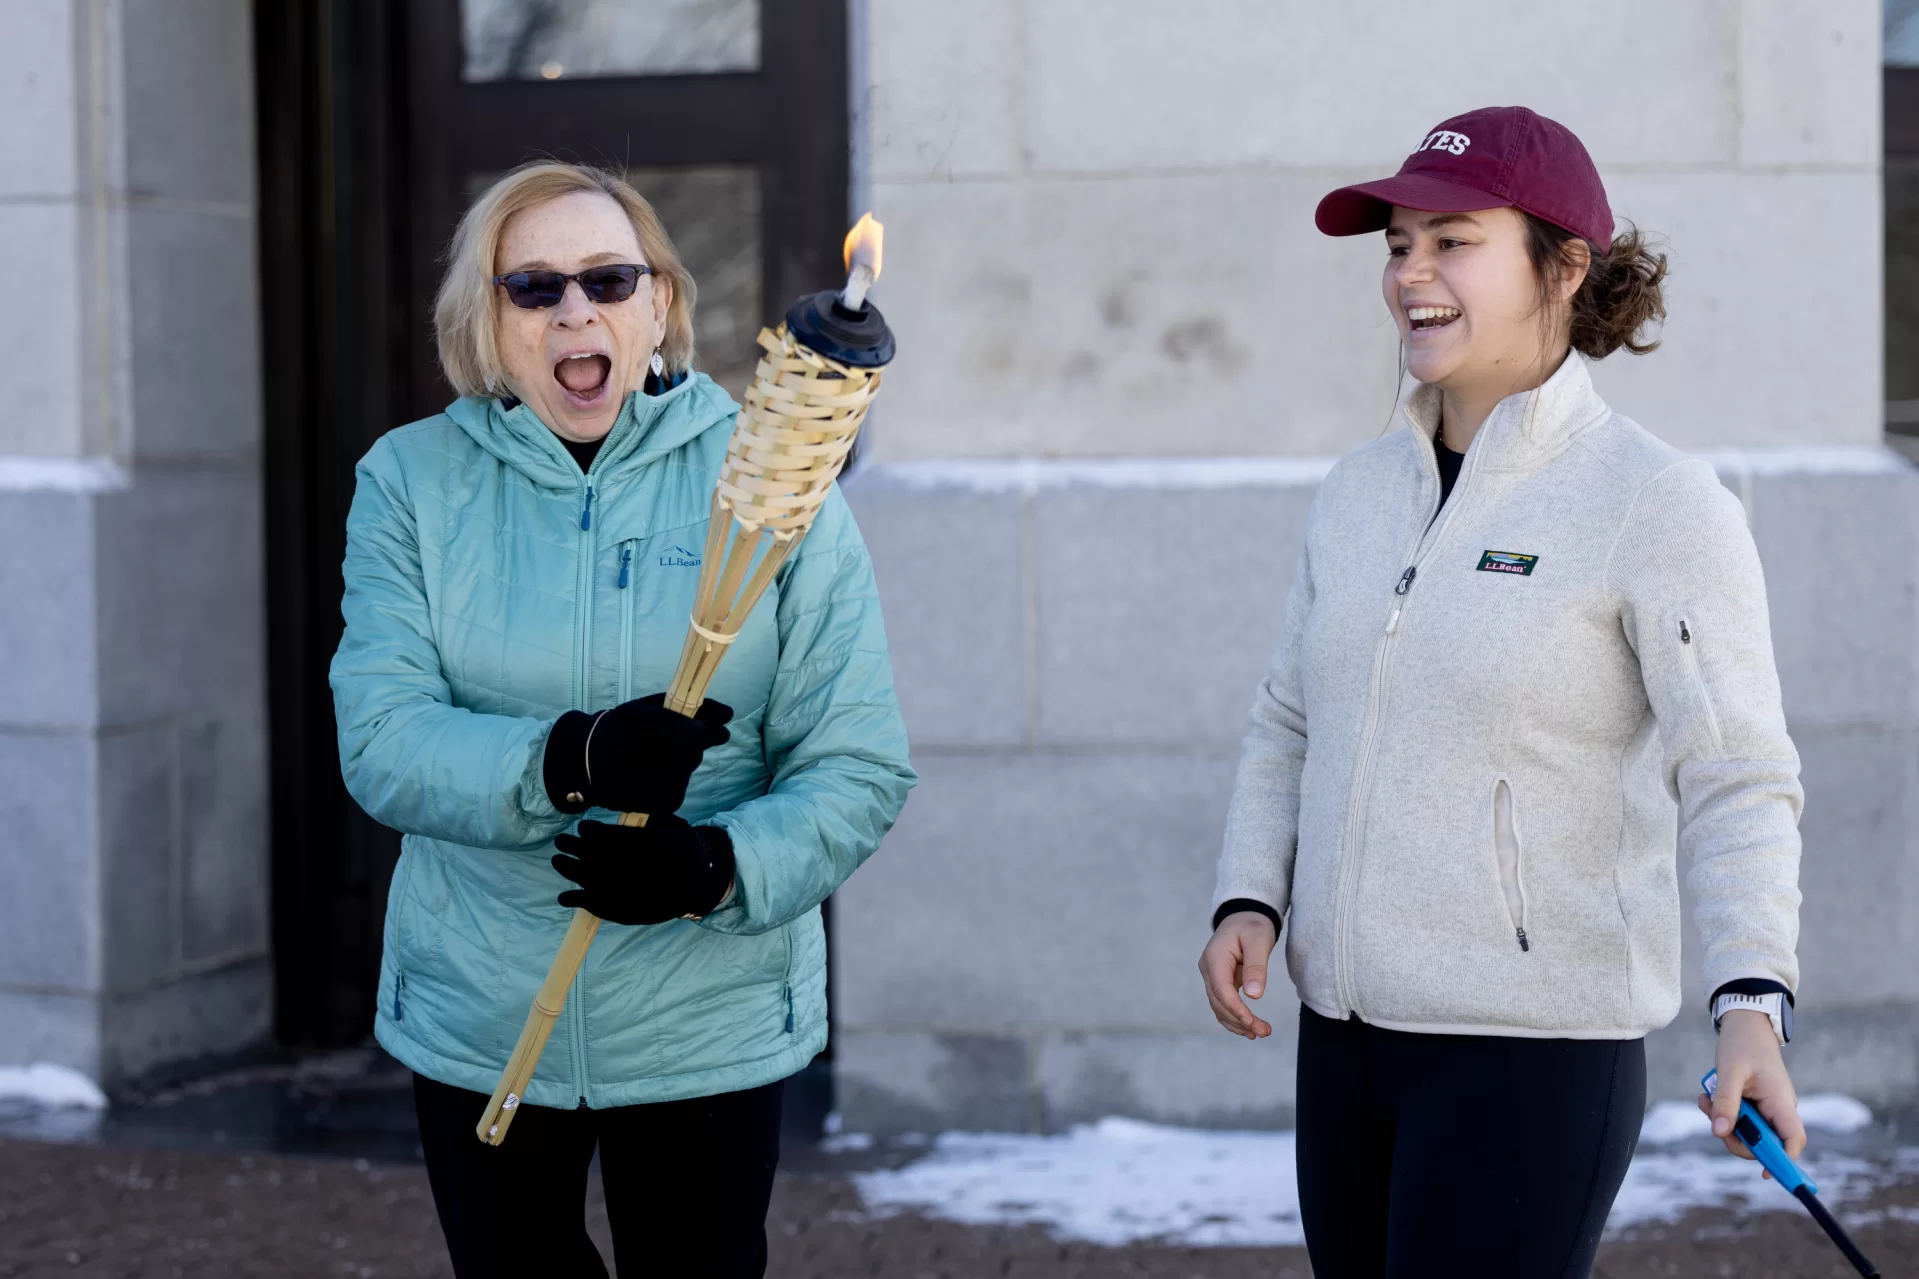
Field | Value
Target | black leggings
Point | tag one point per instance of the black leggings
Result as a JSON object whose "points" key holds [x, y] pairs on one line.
{"points": [[1460, 1154], [687, 1184]]}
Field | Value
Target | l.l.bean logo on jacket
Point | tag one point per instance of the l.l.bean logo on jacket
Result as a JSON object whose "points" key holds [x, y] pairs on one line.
{"points": [[1507, 562], [679, 557]]}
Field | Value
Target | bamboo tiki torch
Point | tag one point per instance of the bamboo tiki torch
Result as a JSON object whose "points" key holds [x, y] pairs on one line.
{"points": [[818, 373]]}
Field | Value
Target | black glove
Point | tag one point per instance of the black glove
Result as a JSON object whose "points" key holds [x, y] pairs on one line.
{"points": [[647, 874], [635, 758]]}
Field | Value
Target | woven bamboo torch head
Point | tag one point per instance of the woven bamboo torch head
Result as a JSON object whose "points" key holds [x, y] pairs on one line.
{"points": [[818, 373]]}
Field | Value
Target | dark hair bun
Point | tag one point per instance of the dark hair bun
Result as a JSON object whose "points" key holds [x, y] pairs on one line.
{"points": [[1620, 296]]}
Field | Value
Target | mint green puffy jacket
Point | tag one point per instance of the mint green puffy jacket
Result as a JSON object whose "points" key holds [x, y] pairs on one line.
{"points": [[489, 588]]}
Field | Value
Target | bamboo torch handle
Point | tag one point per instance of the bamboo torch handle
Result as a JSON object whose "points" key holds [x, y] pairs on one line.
{"points": [[539, 1024], [547, 1006]]}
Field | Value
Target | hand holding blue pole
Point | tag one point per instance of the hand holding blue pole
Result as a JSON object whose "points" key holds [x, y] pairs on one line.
{"points": [[1757, 1134]]}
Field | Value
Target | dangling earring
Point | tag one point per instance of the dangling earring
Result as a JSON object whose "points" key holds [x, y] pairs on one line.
{"points": [[657, 364]]}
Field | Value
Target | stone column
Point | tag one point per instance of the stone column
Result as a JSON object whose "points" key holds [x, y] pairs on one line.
{"points": [[133, 780]]}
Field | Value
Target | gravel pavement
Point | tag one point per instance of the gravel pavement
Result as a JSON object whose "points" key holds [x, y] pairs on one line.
{"points": [[116, 1213]]}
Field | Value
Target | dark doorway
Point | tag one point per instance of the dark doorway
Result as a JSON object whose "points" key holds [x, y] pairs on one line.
{"points": [[377, 123], [1902, 258]]}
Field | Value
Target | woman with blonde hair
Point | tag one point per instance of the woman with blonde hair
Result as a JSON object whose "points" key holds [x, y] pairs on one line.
{"points": [[1526, 661], [519, 571]]}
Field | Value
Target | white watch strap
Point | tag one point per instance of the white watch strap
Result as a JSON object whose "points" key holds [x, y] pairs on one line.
{"points": [[1768, 1004]]}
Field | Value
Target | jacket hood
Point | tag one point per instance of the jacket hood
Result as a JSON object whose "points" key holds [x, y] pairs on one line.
{"points": [[1523, 430], [648, 428]]}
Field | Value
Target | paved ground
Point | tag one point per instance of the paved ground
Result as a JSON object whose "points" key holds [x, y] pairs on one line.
{"points": [[116, 1213]]}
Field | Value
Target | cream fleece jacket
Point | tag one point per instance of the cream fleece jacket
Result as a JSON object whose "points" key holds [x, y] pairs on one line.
{"points": [[1485, 736]]}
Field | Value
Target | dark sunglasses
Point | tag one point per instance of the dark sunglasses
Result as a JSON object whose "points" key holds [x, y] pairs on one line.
{"points": [[533, 290]]}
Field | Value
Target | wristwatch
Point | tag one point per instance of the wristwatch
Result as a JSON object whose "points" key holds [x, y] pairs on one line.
{"points": [[1774, 1005]]}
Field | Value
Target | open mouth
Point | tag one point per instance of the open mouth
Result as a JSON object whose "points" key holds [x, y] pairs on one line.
{"points": [[584, 378], [1423, 318]]}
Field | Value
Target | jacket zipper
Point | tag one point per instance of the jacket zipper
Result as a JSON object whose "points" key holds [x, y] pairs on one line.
{"points": [[399, 987], [1507, 853], [1431, 533], [1691, 656], [582, 672]]}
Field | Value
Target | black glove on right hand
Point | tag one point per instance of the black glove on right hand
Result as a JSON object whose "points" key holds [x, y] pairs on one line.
{"points": [[636, 758]]}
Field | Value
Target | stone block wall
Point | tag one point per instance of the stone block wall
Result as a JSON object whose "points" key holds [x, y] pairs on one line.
{"points": [[1101, 210], [133, 780]]}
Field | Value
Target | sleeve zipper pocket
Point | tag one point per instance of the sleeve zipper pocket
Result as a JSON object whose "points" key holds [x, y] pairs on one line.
{"points": [[1689, 651]]}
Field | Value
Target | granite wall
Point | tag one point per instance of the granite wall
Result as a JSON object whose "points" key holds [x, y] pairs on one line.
{"points": [[133, 780]]}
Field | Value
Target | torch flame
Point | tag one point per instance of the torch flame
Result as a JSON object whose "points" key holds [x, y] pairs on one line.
{"points": [[863, 244]]}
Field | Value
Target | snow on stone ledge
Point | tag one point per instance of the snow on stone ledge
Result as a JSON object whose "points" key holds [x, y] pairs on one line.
{"points": [[23, 474], [1808, 459], [1033, 474], [43, 1084]]}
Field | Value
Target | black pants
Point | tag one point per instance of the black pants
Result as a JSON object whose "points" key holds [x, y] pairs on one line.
{"points": [[1426, 1155], [687, 1184]]}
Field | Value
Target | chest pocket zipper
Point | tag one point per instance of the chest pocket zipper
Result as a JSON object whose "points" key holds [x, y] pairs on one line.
{"points": [[627, 592], [1506, 850], [1689, 652]]}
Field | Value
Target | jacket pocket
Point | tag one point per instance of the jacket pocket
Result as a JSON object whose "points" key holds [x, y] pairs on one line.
{"points": [[1506, 852], [1689, 657], [398, 905], [786, 980]]}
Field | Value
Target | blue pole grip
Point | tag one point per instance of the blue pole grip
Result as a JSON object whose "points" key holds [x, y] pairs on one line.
{"points": [[1751, 1127]]}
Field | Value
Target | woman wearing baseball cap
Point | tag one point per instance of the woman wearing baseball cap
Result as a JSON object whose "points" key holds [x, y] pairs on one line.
{"points": [[1526, 661]]}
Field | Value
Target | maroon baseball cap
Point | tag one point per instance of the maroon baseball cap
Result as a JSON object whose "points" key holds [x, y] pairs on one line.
{"points": [[1492, 158]]}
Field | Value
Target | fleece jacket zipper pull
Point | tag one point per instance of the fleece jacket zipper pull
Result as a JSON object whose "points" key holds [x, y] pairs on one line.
{"points": [[626, 559], [586, 512], [1405, 585]]}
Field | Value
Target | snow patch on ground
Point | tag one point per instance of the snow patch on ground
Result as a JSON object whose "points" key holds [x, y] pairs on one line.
{"points": [[1663, 1187], [1670, 1121], [1111, 1183], [43, 1084], [1120, 1181], [1828, 1112], [1834, 1112]]}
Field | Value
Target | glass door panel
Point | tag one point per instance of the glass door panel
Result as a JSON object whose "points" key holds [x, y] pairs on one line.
{"points": [[555, 39]]}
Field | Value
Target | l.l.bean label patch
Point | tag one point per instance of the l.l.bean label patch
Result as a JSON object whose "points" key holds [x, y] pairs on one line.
{"points": [[1507, 562]]}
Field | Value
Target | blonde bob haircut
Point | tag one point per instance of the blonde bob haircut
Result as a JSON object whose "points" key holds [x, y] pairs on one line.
{"points": [[464, 316]]}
